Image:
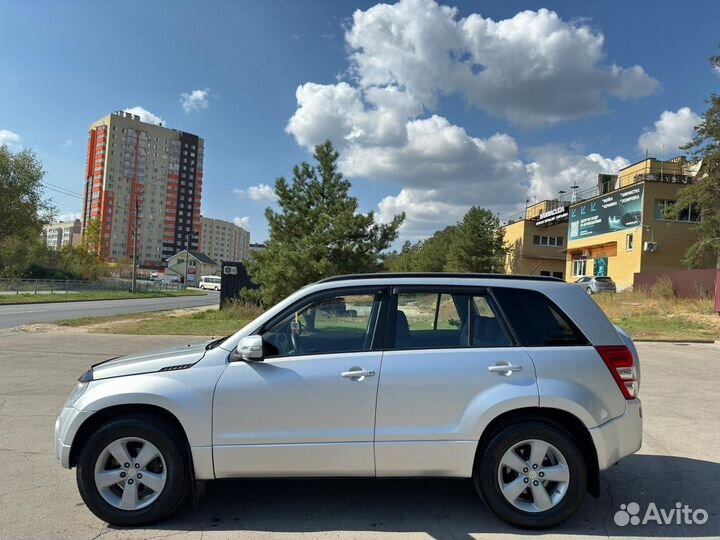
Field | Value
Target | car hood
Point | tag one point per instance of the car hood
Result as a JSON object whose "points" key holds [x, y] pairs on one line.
{"points": [[176, 357]]}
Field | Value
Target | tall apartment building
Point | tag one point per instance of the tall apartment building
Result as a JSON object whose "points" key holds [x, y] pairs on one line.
{"points": [[147, 172], [62, 233], [223, 240]]}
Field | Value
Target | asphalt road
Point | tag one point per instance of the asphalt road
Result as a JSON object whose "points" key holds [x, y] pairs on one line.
{"points": [[18, 314], [39, 499]]}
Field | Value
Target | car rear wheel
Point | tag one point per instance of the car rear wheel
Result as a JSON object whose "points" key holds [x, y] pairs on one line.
{"points": [[132, 471], [589, 290], [531, 475]]}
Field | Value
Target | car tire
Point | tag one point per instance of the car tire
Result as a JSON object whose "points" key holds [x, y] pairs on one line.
{"points": [[491, 476], [171, 464], [589, 291]]}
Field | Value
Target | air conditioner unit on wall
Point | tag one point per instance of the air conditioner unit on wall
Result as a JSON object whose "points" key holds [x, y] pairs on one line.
{"points": [[650, 246]]}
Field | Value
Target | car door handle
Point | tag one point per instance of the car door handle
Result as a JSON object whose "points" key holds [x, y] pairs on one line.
{"points": [[358, 373], [504, 368]]}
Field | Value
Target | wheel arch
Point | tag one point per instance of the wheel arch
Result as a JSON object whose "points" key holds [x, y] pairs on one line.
{"points": [[564, 419], [101, 417]]}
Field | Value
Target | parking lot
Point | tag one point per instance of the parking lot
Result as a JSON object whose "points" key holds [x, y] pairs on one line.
{"points": [[679, 462]]}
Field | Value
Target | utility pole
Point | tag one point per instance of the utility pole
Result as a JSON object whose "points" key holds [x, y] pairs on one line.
{"points": [[135, 235]]}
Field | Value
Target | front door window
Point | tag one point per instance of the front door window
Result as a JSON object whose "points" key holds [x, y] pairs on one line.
{"points": [[331, 324]]}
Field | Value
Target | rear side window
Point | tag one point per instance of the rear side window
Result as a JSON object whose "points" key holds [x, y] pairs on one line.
{"points": [[537, 321], [442, 320]]}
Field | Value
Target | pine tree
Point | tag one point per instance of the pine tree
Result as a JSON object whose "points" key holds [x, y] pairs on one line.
{"points": [[477, 243], [705, 193], [318, 231]]}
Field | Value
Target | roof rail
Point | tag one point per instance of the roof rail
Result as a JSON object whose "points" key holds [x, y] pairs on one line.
{"points": [[437, 275]]}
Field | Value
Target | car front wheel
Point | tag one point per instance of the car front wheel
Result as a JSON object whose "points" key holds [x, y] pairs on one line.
{"points": [[532, 475], [589, 290], [132, 471]]}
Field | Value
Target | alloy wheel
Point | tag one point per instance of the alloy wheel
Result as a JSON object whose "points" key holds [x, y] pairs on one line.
{"points": [[533, 475], [130, 473]]}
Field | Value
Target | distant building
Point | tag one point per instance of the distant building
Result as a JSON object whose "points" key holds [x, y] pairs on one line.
{"points": [[622, 229], [223, 240], [62, 233], [198, 265], [257, 247], [536, 240], [160, 169]]}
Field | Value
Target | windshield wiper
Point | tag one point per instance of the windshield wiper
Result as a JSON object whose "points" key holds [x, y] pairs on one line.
{"points": [[215, 343]]}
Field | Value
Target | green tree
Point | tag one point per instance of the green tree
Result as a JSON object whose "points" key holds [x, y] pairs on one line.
{"points": [[92, 237], [705, 193], [477, 243], [318, 231], [23, 212]]}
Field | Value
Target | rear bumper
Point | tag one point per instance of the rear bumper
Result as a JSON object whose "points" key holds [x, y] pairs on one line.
{"points": [[619, 437]]}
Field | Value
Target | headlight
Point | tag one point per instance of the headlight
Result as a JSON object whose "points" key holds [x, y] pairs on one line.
{"points": [[78, 391]]}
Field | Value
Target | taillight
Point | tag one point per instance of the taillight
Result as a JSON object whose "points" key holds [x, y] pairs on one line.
{"points": [[619, 360]]}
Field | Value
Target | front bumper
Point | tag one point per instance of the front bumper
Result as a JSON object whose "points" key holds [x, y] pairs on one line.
{"points": [[620, 436], [66, 426]]}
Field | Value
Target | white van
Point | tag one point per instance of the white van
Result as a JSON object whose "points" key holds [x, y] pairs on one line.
{"points": [[210, 282]]}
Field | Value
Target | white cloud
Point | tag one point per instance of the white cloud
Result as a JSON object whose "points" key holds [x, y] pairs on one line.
{"points": [[671, 131], [555, 168], [261, 192], [145, 115], [70, 216], [533, 68], [10, 138], [243, 222], [195, 100], [67, 143]]}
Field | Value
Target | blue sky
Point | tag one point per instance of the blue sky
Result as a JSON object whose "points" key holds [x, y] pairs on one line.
{"points": [[433, 110]]}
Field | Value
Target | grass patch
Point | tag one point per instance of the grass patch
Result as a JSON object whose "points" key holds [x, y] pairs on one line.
{"points": [[661, 316], [210, 322], [29, 298]]}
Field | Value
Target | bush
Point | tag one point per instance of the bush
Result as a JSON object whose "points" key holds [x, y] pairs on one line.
{"points": [[663, 288]]}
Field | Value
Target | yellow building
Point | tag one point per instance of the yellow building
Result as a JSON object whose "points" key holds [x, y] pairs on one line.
{"points": [[623, 229], [536, 241]]}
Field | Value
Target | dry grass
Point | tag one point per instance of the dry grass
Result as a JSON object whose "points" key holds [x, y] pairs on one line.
{"points": [[199, 322], [659, 315]]}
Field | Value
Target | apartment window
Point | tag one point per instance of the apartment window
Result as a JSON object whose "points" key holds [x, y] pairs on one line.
{"points": [[579, 267], [629, 242], [553, 241]]}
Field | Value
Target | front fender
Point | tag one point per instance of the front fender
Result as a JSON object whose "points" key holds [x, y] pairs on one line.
{"points": [[186, 394]]}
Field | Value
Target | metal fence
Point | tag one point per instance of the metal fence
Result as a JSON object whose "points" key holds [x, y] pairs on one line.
{"points": [[68, 286], [686, 283]]}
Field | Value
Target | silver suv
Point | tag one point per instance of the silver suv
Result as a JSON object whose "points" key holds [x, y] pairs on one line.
{"points": [[519, 383], [596, 284]]}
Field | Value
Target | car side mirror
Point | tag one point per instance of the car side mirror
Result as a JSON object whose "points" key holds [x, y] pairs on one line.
{"points": [[249, 349]]}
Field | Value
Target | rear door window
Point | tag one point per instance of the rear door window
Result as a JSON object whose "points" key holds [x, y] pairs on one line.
{"points": [[536, 320], [441, 320]]}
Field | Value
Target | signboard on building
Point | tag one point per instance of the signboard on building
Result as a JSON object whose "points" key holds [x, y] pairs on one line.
{"points": [[615, 211], [551, 217]]}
